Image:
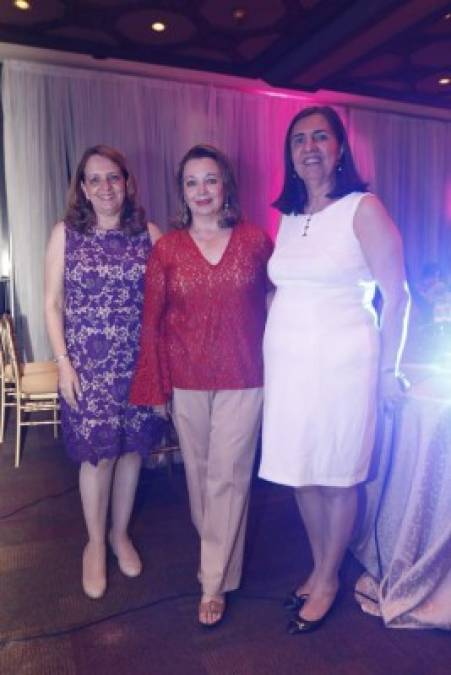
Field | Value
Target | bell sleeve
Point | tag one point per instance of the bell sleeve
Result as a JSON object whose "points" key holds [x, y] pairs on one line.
{"points": [[151, 380]]}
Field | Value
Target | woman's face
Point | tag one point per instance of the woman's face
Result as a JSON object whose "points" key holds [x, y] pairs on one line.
{"points": [[314, 150], [104, 185], [203, 188]]}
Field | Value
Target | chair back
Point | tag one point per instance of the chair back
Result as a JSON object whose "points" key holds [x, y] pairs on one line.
{"points": [[2, 352], [10, 352], [3, 357], [2, 360]]}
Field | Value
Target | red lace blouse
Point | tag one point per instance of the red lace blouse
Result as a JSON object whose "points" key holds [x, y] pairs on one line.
{"points": [[202, 323]]}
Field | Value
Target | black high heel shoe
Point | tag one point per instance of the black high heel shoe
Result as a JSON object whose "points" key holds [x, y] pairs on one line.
{"points": [[300, 625], [293, 602]]}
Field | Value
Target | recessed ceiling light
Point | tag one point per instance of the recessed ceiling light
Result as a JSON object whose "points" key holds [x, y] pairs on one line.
{"points": [[22, 4], [239, 13], [444, 80], [447, 17], [158, 26]]}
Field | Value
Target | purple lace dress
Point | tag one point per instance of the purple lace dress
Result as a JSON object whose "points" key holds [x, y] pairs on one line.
{"points": [[103, 290]]}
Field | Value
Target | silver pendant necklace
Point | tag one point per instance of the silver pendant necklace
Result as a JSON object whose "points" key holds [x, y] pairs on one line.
{"points": [[308, 217]]}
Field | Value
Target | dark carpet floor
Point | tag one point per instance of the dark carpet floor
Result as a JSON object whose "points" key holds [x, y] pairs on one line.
{"points": [[148, 625]]}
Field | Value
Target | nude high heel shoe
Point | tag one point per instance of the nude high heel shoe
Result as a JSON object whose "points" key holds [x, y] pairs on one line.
{"points": [[94, 580]]}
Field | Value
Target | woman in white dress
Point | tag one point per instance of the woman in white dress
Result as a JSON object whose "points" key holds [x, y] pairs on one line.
{"points": [[327, 362]]}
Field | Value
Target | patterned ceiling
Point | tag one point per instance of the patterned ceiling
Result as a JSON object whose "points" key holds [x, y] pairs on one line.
{"points": [[396, 49]]}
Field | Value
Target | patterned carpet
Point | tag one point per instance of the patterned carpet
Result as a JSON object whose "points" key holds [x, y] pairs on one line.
{"points": [[148, 625]]}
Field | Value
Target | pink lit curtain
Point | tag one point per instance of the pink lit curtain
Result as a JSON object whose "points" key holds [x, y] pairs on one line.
{"points": [[51, 114]]}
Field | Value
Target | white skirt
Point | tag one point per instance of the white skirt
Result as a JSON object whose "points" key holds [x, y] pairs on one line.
{"points": [[320, 393]]}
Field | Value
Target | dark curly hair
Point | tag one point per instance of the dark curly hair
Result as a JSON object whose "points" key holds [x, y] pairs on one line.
{"points": [[293, 196], [81, 216], [231, 213]]}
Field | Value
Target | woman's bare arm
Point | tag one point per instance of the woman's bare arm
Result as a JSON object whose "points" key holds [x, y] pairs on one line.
{"points": [[54, 308]]}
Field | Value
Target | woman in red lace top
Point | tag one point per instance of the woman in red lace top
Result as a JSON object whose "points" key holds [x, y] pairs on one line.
{"points": [[204, 315]]}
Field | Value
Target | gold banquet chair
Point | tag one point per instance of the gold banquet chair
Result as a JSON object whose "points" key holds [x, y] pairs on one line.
{"points": [[6, 380], [32, 387], [2, 393]]}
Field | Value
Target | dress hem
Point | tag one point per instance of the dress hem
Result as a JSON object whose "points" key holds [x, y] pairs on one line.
{"points": [[329, 482]]}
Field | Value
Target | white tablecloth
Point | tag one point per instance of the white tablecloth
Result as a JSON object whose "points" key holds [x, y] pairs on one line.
{"points": [[404, 530]]}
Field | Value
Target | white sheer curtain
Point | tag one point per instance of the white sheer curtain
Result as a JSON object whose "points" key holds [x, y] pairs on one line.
{"points": [[36, 183], [51, 114], [411, 171]]}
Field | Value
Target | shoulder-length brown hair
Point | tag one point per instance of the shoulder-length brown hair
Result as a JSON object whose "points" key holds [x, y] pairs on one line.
{"points": [[231, 211], [79, 213]]}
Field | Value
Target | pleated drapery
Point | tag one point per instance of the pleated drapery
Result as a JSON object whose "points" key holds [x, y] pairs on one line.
{"points": [[51, 114]]}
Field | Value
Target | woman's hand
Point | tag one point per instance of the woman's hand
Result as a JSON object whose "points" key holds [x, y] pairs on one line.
{"points": [[69, 383], [392, 388]]}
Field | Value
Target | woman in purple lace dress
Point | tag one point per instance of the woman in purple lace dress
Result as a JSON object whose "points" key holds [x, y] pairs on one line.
{"points": [[95, 267]]}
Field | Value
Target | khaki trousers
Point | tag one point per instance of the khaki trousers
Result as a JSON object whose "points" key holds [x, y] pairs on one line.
{"points": [[218, 433]]}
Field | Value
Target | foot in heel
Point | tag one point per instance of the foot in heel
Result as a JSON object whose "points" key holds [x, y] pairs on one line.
{"points": [[211, 610], [127, 556], [313, 613], [94, 570]]}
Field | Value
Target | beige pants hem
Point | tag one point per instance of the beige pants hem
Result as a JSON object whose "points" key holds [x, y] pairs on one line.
{"points": [[218, 433]]}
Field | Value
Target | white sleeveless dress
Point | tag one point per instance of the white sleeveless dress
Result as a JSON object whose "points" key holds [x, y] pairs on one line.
{"points": [[321, 350]]}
